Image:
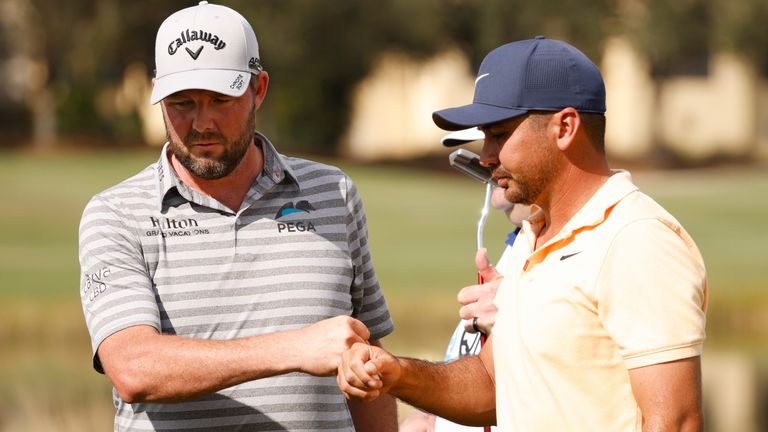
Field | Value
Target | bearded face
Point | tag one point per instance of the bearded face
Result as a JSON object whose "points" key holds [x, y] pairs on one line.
{"points": [[527, 163], [213, 165], [529, 182]]}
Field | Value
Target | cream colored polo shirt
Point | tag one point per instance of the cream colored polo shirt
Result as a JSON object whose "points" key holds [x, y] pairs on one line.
{"points": [[620, 287]]}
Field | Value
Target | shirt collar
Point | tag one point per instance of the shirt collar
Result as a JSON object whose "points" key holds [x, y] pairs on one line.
{"points": [[596, 210], [275, 167], [592, 214], [166, 177]]}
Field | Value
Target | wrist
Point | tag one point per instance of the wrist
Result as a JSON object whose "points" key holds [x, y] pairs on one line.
{"points": [[279, 347], [406, 378], [292, 358]]}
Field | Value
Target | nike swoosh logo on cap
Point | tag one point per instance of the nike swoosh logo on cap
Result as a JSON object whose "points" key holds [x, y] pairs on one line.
{"points": [[481, 77]]}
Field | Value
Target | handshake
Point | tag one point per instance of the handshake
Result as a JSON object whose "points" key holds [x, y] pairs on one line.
{"points": [[320, 346], [364, 370], [339, 345]]}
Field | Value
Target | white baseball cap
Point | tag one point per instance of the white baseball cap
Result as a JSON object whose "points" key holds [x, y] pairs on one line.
{"points": [[463, 136], [207, 47]]}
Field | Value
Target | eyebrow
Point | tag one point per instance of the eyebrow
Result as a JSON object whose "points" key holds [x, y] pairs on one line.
{"points": [[494, 125]]}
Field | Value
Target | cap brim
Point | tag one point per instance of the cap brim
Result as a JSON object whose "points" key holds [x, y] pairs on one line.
{"points": [[228, 82], [474, 114], [462, 137]]}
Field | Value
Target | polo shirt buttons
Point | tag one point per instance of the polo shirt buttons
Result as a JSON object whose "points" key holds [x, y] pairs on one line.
{"points": [[238, 222]]}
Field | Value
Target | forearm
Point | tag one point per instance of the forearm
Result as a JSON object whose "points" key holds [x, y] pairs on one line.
{"points": [[164, 368], [460, 391], [379, 415], [418, 421], [690, 422], [669, 395]]}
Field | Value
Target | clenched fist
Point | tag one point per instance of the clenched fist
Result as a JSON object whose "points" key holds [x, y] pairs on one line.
{"points": [[320, 345]]}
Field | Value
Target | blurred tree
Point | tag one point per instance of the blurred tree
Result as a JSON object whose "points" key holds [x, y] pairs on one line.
{"points": [[316, 52], [740, 26], [675, 35], [57, 62], [679, 36], [26, 102], [88, 45], [487, 24]]}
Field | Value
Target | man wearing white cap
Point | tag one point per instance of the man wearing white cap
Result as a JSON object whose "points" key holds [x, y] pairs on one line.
{"points": [[220, 284], [601, 320]]}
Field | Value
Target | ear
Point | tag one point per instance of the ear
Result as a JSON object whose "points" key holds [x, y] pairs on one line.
{"points": [[567, 123], [261, 90]]}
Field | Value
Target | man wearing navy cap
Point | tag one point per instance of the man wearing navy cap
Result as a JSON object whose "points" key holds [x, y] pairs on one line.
{"points": [[601, 317]]}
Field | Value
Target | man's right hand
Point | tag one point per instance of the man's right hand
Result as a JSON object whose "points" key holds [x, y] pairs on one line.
{"points": [[367, 371], [319, 347]]}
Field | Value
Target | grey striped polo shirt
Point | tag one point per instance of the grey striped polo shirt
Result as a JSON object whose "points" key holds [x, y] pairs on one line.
{"points": [[155, 252]]}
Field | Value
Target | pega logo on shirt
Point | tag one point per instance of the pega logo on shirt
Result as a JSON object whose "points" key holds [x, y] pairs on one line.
{"points": [[289, 208]]}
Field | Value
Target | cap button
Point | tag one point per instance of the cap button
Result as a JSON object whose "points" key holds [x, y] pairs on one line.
{"points": [[203, 3], [539, 37]]}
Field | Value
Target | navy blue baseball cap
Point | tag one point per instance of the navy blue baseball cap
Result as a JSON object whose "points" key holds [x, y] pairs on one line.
{"points": [[531, 75]]}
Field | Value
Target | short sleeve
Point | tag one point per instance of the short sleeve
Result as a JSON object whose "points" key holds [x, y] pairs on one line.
{"points": [[369, 305], [652, 293], [115, 289]]}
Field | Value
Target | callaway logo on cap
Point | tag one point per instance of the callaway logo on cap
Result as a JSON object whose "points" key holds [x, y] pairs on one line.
{"points": [[208, 47]]}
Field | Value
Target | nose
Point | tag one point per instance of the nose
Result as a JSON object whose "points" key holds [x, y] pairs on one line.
{"points": [[203, 118], [489, 156]]}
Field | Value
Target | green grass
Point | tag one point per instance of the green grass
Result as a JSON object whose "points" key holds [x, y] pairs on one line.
{"points": [[726, 211], [422, 233], [46, 195]]}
